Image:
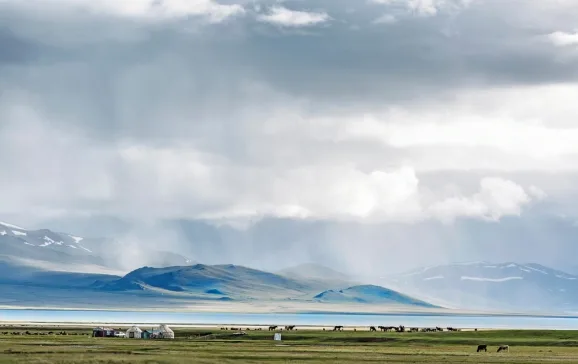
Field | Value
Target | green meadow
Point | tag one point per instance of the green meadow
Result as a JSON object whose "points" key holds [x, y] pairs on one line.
{"points": [[302, 346]]}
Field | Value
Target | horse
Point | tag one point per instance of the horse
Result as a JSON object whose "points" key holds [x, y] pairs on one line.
{"points": [[372, 328], [338, 328], [290, 328], [271, 328], [503, 348], [482, 347]]}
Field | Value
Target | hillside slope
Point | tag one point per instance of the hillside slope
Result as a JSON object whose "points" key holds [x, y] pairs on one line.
{"points": [[32, 278], [369, 294]]}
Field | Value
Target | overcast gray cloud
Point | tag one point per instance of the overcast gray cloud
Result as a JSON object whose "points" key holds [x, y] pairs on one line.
{"points": [[346, 112]]}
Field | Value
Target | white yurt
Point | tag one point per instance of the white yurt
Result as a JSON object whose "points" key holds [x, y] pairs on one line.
{"points": [[134, 333], [164, 332]]}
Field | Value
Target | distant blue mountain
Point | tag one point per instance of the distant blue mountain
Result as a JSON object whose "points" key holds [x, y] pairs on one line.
{"points": [[237, 282], [369, 294], [226, 280], [14, 274]]}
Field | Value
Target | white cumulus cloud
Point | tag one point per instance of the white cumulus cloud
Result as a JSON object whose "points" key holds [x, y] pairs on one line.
{"points": [[563, 39], [293, 18], [496, 198]]}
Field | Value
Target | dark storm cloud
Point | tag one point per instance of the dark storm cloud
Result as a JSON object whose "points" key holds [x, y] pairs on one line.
{"points": [[125, 84]]}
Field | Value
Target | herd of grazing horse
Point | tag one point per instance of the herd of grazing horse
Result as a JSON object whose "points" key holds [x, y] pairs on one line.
{"points": [[400, 328]]}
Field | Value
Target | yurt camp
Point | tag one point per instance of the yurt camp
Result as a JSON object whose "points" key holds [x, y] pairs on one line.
{"points": [[134, 333]]}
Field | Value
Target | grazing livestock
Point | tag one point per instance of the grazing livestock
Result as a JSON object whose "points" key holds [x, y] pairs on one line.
{"points": [[271, 328], [504, 348], [338, 328], [482, 348], [372, 328], [290, 328]]}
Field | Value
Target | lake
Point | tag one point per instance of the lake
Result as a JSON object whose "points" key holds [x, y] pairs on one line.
{"points": [[313, 319]]}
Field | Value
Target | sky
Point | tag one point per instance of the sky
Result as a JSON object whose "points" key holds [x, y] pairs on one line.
{"points": [[377, 135]]}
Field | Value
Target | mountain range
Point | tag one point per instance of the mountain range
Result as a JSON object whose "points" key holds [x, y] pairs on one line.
{"points": [[49, 267], [45, 267]]}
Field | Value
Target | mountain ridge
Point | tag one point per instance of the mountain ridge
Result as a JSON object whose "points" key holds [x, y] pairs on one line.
{"points": [[507, 285]]}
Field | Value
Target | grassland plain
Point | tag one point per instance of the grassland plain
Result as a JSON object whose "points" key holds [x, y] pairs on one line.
{"points": [[302, 346]]}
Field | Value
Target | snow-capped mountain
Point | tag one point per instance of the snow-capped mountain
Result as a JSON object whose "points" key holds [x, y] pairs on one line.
{"points": [[44, 245], [56, 251], [483, 285]]}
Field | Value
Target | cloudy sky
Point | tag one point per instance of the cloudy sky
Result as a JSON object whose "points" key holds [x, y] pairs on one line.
{"points": [[394, 132]]}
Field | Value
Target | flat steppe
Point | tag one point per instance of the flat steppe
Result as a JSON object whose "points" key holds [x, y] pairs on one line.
{"points": [[215, 345]]}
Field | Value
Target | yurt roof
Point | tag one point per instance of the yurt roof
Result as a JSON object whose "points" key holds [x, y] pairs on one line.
{"points": [[165, 328], [135, 328]]}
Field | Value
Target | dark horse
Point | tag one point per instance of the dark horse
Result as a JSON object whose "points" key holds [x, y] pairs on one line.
{"points": [[338, 328], [271, 328], [372, 328], [290, 328], [482, 348]]}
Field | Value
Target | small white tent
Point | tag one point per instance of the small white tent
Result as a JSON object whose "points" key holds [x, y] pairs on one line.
{"points": [[134, 333]]}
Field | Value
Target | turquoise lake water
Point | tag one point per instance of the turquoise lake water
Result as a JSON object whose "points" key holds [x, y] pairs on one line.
{"points": [[176, 318]]}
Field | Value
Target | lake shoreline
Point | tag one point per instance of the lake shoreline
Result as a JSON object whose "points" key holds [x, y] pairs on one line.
{"points": [[47, 317], [300, 309]]}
